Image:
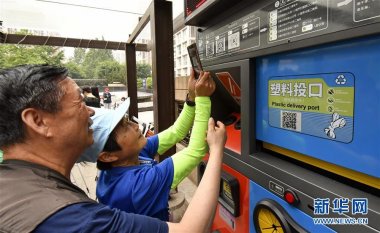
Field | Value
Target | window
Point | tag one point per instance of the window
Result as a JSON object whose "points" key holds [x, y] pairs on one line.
{"points": [[192, 31]]}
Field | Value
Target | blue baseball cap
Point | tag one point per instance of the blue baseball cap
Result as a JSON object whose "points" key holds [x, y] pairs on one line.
{"points": [[104, 121]]}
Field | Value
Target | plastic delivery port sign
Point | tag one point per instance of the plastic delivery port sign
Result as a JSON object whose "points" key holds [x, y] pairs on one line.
{"points": [[321, 105]]}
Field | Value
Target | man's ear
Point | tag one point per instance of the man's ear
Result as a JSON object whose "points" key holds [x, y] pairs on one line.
{"points": [[107, 157], [34, 120]]}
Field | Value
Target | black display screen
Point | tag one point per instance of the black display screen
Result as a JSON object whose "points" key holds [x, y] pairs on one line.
{"points": [[192, 5]]}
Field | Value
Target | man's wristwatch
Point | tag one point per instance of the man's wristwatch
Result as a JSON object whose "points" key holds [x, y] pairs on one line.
{"points": [[189, 102]]}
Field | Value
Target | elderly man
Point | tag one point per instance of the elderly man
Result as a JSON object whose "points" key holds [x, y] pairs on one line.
{"points": [[44, 127]]}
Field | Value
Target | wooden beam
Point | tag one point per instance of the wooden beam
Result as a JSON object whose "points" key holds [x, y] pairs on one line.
{"points": [[132, 79], [66, 42], [141, 24]]}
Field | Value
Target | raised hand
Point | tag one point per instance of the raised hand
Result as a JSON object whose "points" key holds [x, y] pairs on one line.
{"points": [[191, 86], [216, 135], [205, 85]]}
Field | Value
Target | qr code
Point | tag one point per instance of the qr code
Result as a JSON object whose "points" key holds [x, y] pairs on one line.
{"points": [[291, 120], [210, 49], [220, 45], [234, 40]]}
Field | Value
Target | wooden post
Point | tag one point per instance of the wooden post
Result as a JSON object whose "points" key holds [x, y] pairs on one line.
{"points": [[130, 50], [162, 67]]}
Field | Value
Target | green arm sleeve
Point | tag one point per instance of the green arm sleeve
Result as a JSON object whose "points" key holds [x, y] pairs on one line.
{"points": [[187, 159], [176, 132]]}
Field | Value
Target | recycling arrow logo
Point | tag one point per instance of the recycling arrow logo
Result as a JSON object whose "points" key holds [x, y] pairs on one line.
{"points": [[340, 80]]}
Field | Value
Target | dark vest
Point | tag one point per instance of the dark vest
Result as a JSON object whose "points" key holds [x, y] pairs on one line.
{"points": [[30, 193]]}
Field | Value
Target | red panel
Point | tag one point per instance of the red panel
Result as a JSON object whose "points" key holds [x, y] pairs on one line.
{"points": [[229, 83], [234, 136], [240, 223], [224, 222], [192, 5]]}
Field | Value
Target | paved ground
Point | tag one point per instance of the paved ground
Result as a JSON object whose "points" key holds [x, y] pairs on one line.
{"points": [[83, 175], [146, 117]]}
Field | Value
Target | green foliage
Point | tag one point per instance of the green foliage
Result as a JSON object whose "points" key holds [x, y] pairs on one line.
{"points": [[75, 70], [139, 83], [93, 58], [149, 83], [13, 55], [98, 65], [79, 55], [143, 70], [91, 82], [111, 70]]}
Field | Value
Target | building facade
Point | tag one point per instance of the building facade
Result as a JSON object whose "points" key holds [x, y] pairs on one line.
{"points": [[141, 56], [181, 39], [183, 36]]}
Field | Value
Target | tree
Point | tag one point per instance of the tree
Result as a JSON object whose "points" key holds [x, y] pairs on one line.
{"points": [[93, 58], [96, 64], [112, 71], [149, 83], [13, 55], [79, 55], [143, 70], [139, 83], [75, 70]]}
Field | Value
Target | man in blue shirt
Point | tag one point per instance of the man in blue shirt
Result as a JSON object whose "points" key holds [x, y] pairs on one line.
{"points": [[130, 179], [45, 126]]}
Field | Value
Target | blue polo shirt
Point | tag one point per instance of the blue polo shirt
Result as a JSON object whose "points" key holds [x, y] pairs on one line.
{"points": [[94, 218], [142, 189]]}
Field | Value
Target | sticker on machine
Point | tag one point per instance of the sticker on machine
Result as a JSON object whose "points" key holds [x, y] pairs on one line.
{"points": [[227, 217], [320, 105]]}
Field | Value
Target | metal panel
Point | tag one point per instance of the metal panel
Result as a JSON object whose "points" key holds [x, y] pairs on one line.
{"points": [[263, 168], [267, 27], [346, 69]]}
